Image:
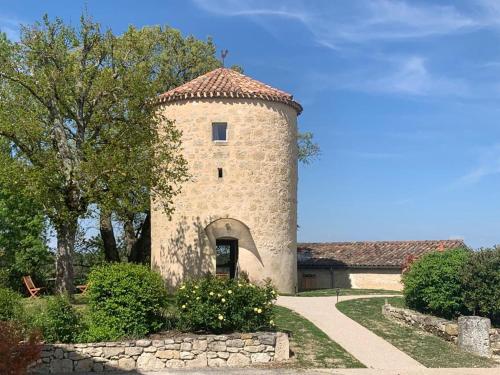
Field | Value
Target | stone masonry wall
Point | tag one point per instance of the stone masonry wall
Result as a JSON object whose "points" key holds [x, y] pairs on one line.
{"points": [[443, 328], [257, 193], [234, 350]]}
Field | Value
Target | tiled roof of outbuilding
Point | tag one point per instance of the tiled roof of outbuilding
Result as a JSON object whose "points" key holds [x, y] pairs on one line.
{"points": [[227, 83], [368, 254]]}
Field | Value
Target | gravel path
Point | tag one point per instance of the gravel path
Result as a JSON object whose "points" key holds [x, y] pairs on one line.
{"points": [[370, 349]]}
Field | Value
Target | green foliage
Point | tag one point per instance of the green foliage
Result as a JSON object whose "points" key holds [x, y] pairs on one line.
{"points": [[433, 283], [308, 150], [124, 300], [221, 305], [481, 283], [10, 304], [23, 249], [55, 318]]}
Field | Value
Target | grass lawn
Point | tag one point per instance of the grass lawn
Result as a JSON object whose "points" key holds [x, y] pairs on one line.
{"points": [[311, 346], [344, 292], [428, 349]]}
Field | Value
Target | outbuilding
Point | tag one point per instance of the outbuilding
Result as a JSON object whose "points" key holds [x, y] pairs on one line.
{"points": [[360, 265]]}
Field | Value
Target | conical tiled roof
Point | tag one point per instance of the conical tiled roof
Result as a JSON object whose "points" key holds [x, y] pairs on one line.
{"points": [[227, 83]]}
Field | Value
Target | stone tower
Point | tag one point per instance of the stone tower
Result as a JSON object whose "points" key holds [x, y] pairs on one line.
{"points": [[238, 212]]}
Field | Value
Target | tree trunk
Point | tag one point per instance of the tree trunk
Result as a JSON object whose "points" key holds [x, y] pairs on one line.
{"points": [[129, 237], [108, 238], [66, 236], [141, 249]]}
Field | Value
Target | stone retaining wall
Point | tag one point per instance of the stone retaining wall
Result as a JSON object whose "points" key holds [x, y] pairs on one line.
{"points": [[446, 329], [235, 350]]}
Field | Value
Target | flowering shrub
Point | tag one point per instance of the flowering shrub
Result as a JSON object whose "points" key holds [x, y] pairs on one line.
{"points": [[217, 305]]}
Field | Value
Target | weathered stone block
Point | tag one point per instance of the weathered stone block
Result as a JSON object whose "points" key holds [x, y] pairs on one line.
{"points": [[61, 365], [238, 360], [148, 361], [143, 343], [217, 362], [237, 343], [473, 335], [200, 361], [451, 329], [112, 352], [59, 353], [126, 363], [200, 345], [282, 347], [84, 365], [133, 350], [175, 363], [168, 354], [186, 355], [224, 355], [217, 346], [186, 346], [260, 358], [268, 339]]}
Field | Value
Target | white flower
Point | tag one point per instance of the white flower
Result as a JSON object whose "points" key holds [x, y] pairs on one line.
{"points": [[211, 293], [198, 297], [229, 291], [223, 300], [219, 295], [182, 287], [259, 311], [255, 309], [220, 317], [183, 306], [271, 322]]}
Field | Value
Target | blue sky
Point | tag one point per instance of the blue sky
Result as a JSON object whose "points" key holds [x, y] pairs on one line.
{"points": [[403, 97]]}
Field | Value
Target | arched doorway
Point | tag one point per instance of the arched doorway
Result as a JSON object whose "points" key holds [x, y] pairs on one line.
{"points": [[226, 257]]}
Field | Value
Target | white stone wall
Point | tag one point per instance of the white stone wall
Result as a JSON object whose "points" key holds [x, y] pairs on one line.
{"points": [[361, 278], [258, 190]]}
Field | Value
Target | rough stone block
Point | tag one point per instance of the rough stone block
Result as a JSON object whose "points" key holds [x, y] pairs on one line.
{"points": [[84, 365], [143, 343], [186, 346], [451, 329], [268, 339], [224, 355], [217, 362], [175, 363], [473, 335], [168, 354], [186, 355], [200, 361], [133, 350], [126, 363], [260, 358], [282, 347], [148, 361], [238, 360], [61, 365], [237, 343], [200, 345], [112, 352], [217, 346]]}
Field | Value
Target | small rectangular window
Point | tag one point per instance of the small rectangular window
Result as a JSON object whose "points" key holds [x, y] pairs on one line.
{"points": [[219, 131], [219, 171]]}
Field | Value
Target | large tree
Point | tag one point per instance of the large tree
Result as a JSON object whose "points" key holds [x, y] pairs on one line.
{"points": [[77, 107]]}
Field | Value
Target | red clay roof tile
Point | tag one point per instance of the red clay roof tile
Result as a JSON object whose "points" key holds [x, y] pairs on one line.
{"points": [[228, 83], [368, 254]]}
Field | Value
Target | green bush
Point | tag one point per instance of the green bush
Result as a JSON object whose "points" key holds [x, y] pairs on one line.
{"points": [[221, 305], [481, 283], [124, 300], [10, 304], [55, 318], [433, 283]]}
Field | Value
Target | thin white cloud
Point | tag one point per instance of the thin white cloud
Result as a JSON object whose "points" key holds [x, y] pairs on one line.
{"points": [[487, 165], [334, 23], [407, 75]]}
